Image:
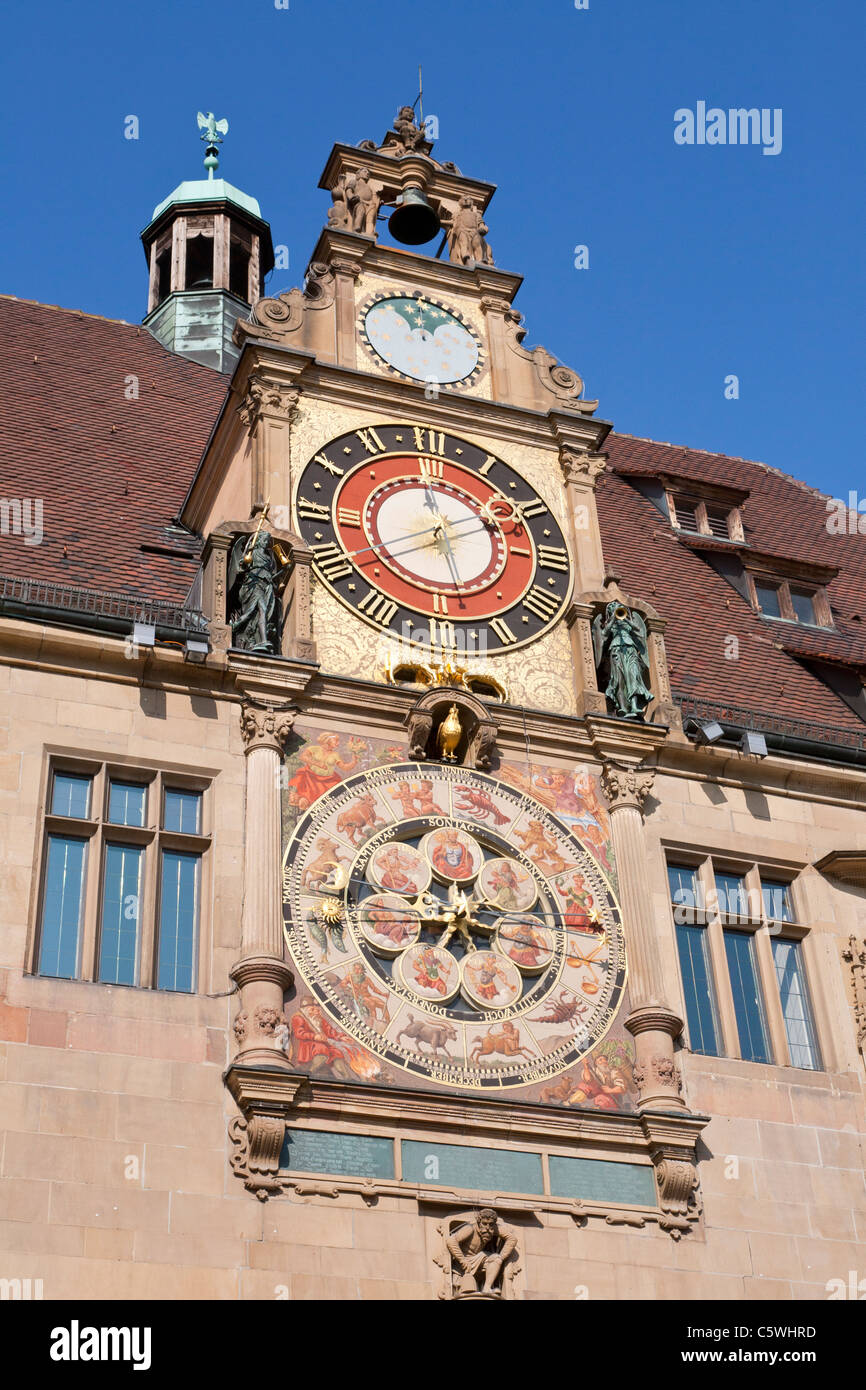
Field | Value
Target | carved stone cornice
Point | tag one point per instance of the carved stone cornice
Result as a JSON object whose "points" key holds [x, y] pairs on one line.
{"points": [[626, 786], [342, 266], [272, 398], [562, 382], [263, 726], [581, 468], [672, 1141], [494, 304], [654, 1019], [269, 968]]}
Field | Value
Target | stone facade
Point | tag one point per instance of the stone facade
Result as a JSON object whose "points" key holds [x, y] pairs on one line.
{"points": [[147, 1133]]}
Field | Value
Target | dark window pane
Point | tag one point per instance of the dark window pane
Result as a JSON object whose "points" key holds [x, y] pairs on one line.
{"points": [[62, 900], [70, 795], [182, 811], [684, 888], [733, 897], [768, 598], [121, 890], [804, 609], [699, 991], [796, 1005], [777, 901], [126, 803], [178, 922], [748, 999]]}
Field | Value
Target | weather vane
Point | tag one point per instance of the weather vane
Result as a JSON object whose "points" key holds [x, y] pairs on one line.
{"points": [[212, 131]]}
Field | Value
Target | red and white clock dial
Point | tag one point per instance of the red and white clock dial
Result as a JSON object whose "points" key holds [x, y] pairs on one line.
{"points": [[407, 524]]}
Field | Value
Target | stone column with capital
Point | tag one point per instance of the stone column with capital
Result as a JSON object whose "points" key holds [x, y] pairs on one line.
{"points": [[268, 408], [261, 972], [652, 1022]]}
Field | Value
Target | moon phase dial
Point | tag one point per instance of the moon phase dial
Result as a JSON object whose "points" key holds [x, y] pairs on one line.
{"points": [[429, 537], [420, 338], [450, 951]]}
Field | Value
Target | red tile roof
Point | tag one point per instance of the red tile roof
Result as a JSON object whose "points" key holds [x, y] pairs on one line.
{"points": [[113, 472], [781, 516]]}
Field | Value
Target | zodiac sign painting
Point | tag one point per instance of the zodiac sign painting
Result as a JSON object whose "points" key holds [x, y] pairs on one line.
{"points": [[464, 950]]}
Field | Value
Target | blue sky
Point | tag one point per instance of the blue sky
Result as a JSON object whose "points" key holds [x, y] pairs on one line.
{"points": [[704, 261]]}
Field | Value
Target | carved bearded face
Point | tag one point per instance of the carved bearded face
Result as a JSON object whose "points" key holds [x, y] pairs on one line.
{"points": [[485, 1224]]}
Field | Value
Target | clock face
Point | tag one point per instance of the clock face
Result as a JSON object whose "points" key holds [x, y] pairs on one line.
{"points": [[432, 539], [448, 927], [421, 339]]}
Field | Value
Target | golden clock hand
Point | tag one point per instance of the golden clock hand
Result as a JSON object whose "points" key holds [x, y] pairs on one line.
{"points": [[351, 554]]}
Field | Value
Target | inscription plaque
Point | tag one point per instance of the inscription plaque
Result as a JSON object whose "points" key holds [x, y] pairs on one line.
{"points": [[347, 1155], [486, 1170], [599, 1180]]}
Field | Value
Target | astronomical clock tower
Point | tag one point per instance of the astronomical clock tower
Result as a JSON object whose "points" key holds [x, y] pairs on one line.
{"points": [[453, 1008]]}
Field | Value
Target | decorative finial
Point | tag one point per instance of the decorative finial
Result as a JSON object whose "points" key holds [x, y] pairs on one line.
{"points": [[212, 131]]}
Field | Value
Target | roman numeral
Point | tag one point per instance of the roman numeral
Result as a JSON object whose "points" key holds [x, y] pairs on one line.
{"points": [[325, 462], [553, 557], [331, 560], [503, 631], [440, 603], [347, 516], [442, 635], [487, 465], [430, 469], [533, 508], [371, 441], [378, 607], [541, 604], [313, 511], [436, 443]]}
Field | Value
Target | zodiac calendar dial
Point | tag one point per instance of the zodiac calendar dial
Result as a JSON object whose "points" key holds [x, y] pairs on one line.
{"points": [[427, 536], [449, 927]]}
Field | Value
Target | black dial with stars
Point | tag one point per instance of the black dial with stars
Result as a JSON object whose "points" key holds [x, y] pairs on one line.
{"points": [[433, 539]]}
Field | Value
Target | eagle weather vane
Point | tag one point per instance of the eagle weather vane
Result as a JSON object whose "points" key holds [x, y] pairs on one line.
{"points": [[212, 131]]}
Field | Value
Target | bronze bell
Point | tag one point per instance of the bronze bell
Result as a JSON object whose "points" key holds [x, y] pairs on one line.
{"points": [[413, 221]]}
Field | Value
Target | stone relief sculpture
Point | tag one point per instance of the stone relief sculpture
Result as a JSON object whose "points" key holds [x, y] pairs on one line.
{"points": [[410, 136], [619, 642], [466, 235], [339, 216], [479, 1256], [363, 203], [256, 568]]}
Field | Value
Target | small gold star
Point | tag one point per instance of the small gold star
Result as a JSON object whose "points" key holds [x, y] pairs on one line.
{"points": [[399, 438], [318, 535], [318, 487], [525, 619], [351, 588], [512, 485], [547, 533]]}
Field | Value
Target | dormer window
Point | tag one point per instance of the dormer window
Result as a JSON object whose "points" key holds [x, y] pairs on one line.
{"points": [[790, 602], [684, 513], [704, 516]]}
